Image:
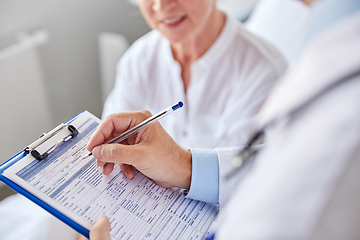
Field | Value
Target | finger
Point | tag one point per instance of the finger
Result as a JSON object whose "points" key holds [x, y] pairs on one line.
{"points": [[108, 168], [100, 163], [128, 170], [103, 132], [119, 153], [101, 229], [81, 237], [115, 124]]}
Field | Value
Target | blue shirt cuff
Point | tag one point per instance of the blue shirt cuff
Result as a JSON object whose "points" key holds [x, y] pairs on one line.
{"points": [[204, 176]]}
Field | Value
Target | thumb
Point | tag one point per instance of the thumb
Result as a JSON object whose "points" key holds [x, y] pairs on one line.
{"points": [[101, 229]]}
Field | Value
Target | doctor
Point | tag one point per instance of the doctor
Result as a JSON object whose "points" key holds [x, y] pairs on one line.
{"points": [[304, 184]]}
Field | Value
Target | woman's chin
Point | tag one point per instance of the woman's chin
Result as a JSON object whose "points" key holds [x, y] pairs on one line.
{"points": [[176, 37]]}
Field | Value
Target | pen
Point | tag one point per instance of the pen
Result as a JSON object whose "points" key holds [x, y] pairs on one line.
{"points": [[144, 123]]}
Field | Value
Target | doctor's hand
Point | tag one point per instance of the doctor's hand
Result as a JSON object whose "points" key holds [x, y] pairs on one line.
{"points": [[152, 151], [101, 229]]}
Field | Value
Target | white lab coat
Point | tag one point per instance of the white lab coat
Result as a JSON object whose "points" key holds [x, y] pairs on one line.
{"points": [[305, 183]]}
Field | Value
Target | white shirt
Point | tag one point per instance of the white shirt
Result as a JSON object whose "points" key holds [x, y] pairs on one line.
{"points": [[228, 85], [305, 183]]}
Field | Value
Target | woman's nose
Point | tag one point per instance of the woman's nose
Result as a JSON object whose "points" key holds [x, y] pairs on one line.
{"points": [[163, 5]]}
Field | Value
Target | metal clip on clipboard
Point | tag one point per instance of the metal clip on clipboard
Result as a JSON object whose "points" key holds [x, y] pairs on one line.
{"points": [[46, 136]]}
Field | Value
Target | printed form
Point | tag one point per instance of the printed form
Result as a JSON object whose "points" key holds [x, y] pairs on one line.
{"points": [[137, 208]]}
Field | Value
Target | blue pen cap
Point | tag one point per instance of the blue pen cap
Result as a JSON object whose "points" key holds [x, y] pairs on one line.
{"points": [[178, 105]]}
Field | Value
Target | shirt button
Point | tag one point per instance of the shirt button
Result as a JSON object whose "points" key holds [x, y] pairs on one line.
{"points": [[184, 133]]}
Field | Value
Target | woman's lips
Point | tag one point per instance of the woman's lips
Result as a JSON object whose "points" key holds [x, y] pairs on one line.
{"points": [[172, 22]]}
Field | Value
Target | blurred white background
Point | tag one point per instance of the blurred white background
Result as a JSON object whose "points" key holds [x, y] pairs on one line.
{"points": [[70, 58]]}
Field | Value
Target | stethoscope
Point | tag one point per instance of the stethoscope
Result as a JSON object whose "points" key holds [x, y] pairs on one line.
{"points": [[247, 153]]}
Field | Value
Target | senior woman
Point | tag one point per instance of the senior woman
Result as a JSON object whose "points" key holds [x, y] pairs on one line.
{"points": [[196, 54]]}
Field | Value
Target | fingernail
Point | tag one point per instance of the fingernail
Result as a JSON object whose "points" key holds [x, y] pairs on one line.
{"points": [[97, 152], [127, 174]]}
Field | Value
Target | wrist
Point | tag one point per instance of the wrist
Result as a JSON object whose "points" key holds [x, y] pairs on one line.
{"points": [[186, 162]]}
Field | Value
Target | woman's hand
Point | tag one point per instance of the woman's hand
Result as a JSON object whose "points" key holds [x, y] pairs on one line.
{"points": [[152, 151]]}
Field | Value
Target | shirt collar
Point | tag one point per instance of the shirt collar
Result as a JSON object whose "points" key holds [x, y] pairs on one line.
{"points": [[221, 44]]}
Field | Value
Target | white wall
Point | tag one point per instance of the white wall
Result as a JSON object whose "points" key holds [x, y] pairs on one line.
{"points": [[70, 58], [239, 9], [22, 118]]}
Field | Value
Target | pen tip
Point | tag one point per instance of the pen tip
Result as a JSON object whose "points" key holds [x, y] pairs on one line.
{"points": [[87, 155]]}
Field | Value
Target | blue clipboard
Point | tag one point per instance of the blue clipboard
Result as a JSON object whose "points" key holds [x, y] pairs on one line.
{"points": [[77, 227]]}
